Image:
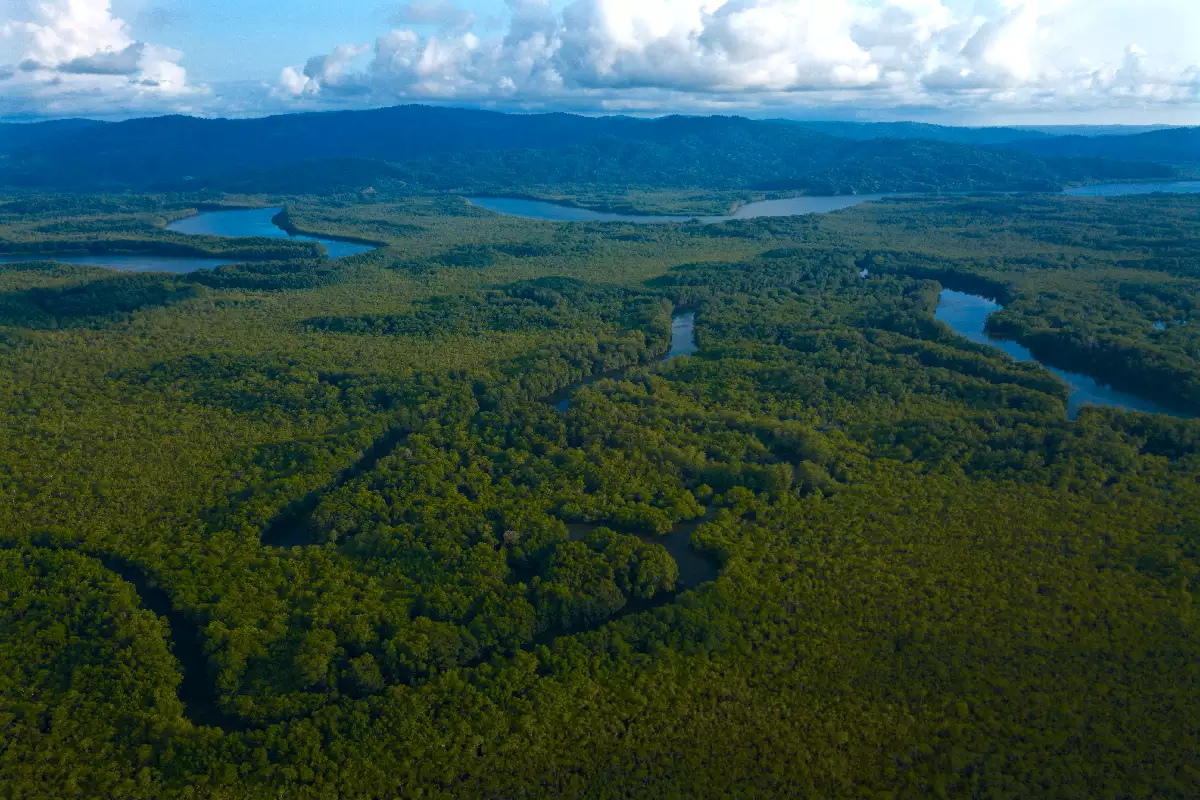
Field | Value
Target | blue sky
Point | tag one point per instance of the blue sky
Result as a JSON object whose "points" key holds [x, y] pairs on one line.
{"points": [[957, 61]]}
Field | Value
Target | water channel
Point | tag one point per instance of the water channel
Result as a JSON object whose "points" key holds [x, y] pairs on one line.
{"points": [[259, 222], [694, 568], [792, 206], [556, 212], [967, 314], [256, 222]]}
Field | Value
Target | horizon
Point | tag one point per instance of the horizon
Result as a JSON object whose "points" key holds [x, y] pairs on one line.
{"points": [[961, 63], [1144, 127]]}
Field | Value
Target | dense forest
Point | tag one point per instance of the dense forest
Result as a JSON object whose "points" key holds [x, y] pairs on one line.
{"points": [[308, 527]]}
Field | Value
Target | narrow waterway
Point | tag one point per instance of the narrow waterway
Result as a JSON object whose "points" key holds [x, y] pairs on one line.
{"points": [[694, 567], [683, 343], [967, 314]]}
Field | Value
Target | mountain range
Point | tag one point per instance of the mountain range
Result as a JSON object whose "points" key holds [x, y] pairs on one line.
{"points": [[422, 148]]}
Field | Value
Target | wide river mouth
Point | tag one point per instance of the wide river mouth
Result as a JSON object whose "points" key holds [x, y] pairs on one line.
{"points": [[967, 314]]}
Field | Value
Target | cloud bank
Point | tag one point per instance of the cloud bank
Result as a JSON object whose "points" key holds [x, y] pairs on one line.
{"points": [[628, 55], [60, 57], [1133, 60]]}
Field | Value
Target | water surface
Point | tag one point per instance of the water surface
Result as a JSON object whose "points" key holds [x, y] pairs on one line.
{"points": [[683, 335], [555, 212], [257, 223], [695, 568], [967, 314], [683, 343], [240, 224], [1123, 189], [127, 263], [792, 206]]}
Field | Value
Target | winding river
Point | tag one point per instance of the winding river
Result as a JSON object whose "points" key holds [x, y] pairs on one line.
{"points": [[967, 314], [256, 222], [683, 343], [556, 212], [1123, 189], [792, 206], [259, 223], [694, 568]]}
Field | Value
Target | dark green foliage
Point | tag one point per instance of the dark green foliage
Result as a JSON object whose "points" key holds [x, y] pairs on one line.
{"points": [[1173, 146], [301, 528], [415, 148]]}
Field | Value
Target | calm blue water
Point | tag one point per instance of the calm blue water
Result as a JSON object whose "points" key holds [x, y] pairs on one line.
{"points": [[257, 222], [126, 263], [967, 314], [232, 224], [683, 335], [1121, 189], [540, 209]]}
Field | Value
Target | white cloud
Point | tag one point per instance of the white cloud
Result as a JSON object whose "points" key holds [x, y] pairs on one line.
{"points": [[636, 54], [76, 56], [328, 73], [442, 13]]}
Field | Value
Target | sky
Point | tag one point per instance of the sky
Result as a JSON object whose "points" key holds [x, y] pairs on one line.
{"points": [[973, 62]]}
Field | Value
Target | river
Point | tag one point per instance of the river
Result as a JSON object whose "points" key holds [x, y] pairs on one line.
{"points": [[694, 568], [1124, 189], [683, 343], [258, 223], [792, 206], [967, 314], [556, 212], [238, 224]]}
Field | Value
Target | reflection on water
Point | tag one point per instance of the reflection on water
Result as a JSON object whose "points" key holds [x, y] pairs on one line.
{"points": [[128, 263], [967, 314], [683, 335], [792, 206], [257, 222], [683, 343], [694, 568], [1123, 189], [232, 224]]}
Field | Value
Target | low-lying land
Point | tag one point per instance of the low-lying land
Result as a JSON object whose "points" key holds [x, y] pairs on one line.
{"points": [[931, 581]]}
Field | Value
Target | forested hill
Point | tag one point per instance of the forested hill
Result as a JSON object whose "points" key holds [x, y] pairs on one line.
{"points": [[921, 130], [423, 148], [1179, 146]]}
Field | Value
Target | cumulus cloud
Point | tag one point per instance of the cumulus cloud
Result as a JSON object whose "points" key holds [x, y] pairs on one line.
{"points": [[329, 73], [442, 13], [632, 54], [76, 56]]}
